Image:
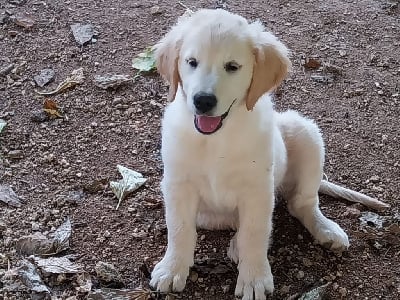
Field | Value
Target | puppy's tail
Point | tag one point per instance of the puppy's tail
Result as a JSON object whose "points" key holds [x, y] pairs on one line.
{"points": [[336, 191]]}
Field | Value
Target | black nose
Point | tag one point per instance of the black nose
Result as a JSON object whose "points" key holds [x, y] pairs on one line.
{"points": [[204, 102]]}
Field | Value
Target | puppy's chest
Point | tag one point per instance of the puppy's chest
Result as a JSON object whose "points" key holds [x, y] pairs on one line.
{"points": [[223, 171]]}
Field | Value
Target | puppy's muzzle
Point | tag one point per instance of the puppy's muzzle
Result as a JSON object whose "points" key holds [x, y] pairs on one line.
{"points": [[204, 102]]}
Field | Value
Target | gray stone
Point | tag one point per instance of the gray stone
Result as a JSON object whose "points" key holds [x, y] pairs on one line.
{"points": [[44, 77]]}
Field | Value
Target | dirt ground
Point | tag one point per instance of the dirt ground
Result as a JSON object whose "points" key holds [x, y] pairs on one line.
{"points": [[61, 167]]}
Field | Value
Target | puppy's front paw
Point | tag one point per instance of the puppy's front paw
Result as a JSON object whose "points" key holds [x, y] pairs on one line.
{"points": [[169, 274], [332, 236], [254, 280]]}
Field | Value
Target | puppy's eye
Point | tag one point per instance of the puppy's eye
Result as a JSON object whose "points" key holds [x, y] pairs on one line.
{"points": [[192, 62], [232, 67]]}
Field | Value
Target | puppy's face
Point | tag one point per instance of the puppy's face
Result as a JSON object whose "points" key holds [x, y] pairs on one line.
{"points": [[220, 61], [215, 70]]}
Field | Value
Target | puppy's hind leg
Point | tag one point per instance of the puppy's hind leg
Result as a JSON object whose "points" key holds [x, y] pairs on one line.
{"points": [[305, 150]]}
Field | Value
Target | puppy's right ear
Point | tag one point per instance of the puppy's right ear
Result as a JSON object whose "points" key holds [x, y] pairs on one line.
{"points": [[167, 57]]}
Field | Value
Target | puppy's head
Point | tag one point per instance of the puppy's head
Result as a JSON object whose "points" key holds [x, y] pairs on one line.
{"points": [[220, 61]]}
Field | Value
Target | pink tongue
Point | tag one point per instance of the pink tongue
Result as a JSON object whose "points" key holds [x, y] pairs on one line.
{"points": [[208, 124]]}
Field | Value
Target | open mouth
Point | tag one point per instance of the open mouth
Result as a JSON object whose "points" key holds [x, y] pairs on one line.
{"points": [[210, 124]]}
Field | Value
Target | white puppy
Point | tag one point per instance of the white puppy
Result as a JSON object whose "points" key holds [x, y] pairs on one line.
{"points": [[226, 151]]}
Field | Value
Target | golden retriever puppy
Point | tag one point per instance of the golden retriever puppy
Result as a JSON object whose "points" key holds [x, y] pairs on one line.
{"points": [[226, 151]]}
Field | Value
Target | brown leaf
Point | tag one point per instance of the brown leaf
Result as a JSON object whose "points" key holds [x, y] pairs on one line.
{"points": [[312, 63], [50, 104], [51, 108]]}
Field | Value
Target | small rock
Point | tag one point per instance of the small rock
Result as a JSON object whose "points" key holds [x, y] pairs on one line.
{"points": [[17, 2], [75, 197], [342, 53], [44, 77], [83, 33], [35, 226], [7, 69], [225, 288], [39, 116], [307, 262], [343, 291], [3, 18], [372, 219], [322, 78], [155, 10], [194, 276], [374, 179], [300, 275], [352, 212], [284, 289], [15, 154], [108, 273], [130, 111]]}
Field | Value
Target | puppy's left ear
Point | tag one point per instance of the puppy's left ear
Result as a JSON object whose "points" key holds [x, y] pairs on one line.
{"points": [[271, 64]]}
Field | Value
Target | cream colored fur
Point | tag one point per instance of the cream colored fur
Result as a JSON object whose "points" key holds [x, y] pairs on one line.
{"points": [[228, 179]]}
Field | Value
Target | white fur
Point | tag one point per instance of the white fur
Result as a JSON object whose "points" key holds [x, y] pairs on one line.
{"points": [[229, 178]]}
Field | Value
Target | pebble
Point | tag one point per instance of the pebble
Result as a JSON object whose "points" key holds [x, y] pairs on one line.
{"points": [[83, 33], [15, 154], [35, 226], [130, 111], [374, 179], [300, 275], [225, 288], [39, 116], [44, 77], [352, 212], [194, 276], [343, 291], [307, 262], [107, 272], [155, 10]]}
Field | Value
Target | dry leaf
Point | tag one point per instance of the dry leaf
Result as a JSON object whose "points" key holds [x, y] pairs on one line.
{"points": [[51, 108], [39, 244], [312, 63], [111, 81], [315, 294], [28, 275], [57, 265], [50, 104], [8, 196], [23, 20], [131, 180], [61, 237], [125, 294], [76, 77], [84, 282]]}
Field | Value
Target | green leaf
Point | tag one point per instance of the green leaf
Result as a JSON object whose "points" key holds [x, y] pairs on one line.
{"points": [[2, 124], [145, 61]]}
